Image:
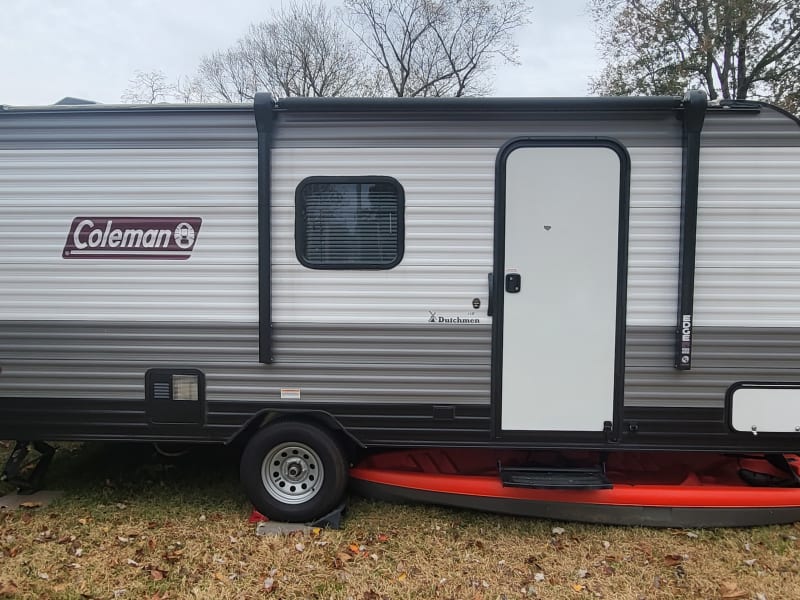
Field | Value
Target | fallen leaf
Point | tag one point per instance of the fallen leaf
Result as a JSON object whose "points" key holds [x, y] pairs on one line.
{"points": [[558, 530], [78, 552], [582, 573], [402, 577], [606, 544], [220, 577], [760, 596], [750, 562], [578, 587], [156, 575], [44, 576], [173, 555], [382, 537], [8, 588], [729, 590], [673, 559], [299, 547], [30, 505], [353, 548], [83, 521], [121, 506], [538, 577], [692, 534], [132, 562], [269, 584], [341, 559]]}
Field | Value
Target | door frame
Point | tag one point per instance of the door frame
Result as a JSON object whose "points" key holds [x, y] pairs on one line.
{"points": [[498, 292]]}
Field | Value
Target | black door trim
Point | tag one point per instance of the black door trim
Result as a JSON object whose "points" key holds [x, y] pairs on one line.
{"points": [[499, 269]]}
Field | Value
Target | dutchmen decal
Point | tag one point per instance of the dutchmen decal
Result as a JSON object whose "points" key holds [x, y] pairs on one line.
{"points": [[453, 319], [154, 238]]}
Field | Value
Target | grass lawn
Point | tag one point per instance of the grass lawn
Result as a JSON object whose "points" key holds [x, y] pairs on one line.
{"points": [[132, 525]]}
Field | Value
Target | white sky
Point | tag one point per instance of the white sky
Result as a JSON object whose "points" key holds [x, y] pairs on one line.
{"points": [[90, 48]]}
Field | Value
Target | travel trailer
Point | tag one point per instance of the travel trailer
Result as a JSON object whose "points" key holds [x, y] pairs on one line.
{"points": [[311, 277]]}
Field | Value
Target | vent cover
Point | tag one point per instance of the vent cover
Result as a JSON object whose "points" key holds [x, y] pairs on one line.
{"points": [[175, 396]]}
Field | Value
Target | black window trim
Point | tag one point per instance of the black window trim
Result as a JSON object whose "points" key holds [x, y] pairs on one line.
{"points": [[300, 230]]}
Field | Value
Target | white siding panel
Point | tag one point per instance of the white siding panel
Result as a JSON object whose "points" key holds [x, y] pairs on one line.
{"points": [[41, 191], [449, 216], [748, 238], [653, 236], [748, 241]]}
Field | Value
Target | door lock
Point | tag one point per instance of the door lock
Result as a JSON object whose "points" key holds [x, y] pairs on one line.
{"points": [[513, 283]]}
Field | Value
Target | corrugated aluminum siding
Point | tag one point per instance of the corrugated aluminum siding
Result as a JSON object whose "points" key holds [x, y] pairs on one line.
{"points": [[42, 191], [67, 164]]}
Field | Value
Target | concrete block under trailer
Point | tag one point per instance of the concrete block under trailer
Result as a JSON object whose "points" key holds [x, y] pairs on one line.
{"points": [[312, 276]]}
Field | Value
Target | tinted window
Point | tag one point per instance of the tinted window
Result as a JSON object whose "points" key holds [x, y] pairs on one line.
{"points": [[349, 223]]}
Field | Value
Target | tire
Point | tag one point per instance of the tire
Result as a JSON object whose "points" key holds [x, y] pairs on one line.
{"points": [[294, 471]]}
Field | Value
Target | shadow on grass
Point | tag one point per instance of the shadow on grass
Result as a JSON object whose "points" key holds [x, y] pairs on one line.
{"points": [[97, 474]]}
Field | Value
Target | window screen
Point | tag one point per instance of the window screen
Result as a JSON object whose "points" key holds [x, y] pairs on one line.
{"points": [[349, 222]]}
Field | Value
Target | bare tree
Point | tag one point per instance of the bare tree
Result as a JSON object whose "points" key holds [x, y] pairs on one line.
{"points": [[437, 47], [190, 89], [302, 50], [148, 87], [227, 75], [734, 49]]}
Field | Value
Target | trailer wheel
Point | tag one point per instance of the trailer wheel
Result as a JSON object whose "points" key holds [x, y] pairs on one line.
{"points": [[294, 471]]}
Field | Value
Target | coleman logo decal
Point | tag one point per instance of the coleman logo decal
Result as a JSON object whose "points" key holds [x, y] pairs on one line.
{"points": [[154, 238]]}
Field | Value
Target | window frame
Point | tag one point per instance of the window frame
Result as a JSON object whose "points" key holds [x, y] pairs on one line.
{"points": [[300, 237]]}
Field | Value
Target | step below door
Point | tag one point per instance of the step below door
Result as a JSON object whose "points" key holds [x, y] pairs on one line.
{"points": [[558, 356]]}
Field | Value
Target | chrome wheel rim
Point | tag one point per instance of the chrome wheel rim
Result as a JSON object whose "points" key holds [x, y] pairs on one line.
{"points": [[292, 473]]}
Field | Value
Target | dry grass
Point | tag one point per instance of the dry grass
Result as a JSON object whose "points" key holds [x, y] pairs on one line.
{"points": [[132, 526]]}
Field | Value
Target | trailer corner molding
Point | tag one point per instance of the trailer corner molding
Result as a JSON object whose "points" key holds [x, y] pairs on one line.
{"points": [[153, 238]]}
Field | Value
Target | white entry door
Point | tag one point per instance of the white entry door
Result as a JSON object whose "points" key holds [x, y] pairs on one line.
{"points": [[562, 286]]}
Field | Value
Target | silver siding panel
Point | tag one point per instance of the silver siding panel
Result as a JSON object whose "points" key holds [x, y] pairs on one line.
{"points": [[129, 128], [770, 128], [722, 356], [234, 127], [338, 363], [309, 130], [373, 364]]}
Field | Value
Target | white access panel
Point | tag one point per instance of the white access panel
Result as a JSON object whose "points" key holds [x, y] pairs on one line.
{"points": [[766, 410], [559, 330]]}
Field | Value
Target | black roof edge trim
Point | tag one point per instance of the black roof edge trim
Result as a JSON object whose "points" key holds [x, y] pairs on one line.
{"points": [[263, 109], [694, 114], [596, 103]]}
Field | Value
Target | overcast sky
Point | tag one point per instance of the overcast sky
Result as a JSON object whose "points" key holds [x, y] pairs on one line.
{"points": [[90, 48]]}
